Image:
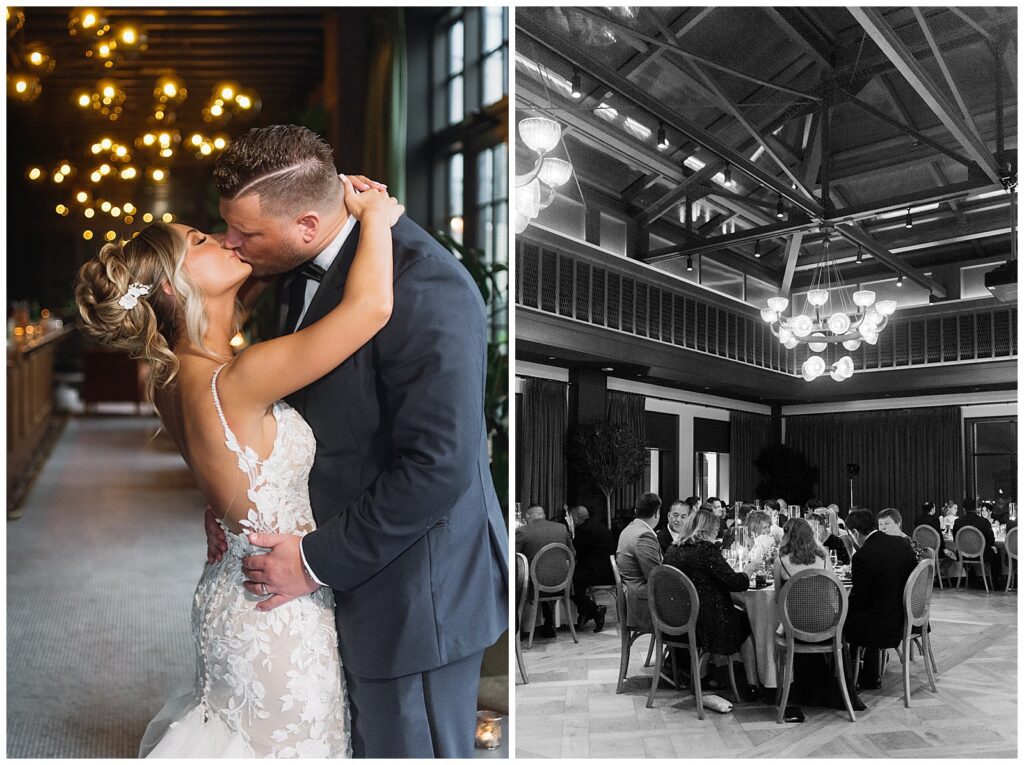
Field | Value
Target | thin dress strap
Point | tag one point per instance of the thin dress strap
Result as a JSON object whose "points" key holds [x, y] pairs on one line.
{"points": [[248, 461]]}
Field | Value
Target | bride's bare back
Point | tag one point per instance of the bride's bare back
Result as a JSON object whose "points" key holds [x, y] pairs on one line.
{"points": [[188, 413]]}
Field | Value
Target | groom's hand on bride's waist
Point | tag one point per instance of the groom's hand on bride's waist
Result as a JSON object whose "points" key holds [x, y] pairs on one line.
{"points": [[278, 573]]}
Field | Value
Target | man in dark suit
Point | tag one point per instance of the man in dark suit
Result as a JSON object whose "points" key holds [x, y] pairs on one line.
{"points": [[410, 535], [677, 513], [879, 570], [971, 517], [637, 553], [530, 538], [594, 548]]}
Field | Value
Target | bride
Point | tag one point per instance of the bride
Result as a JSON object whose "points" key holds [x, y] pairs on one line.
{"points": [[267, 683]]}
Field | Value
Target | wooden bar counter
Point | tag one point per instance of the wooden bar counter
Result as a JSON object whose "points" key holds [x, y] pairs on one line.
{"points": [[30, 360]]}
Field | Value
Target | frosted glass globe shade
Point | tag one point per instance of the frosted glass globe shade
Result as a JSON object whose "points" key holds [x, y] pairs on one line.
{"points": [[839, 323], [769, 315], [778, 304], [812, 368], [886, 307], [555, 172], [540, 133], [817, 298], [863, 298]]}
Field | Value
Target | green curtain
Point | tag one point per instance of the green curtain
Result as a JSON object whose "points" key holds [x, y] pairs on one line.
{"points": [[906, 456], [749, 433], [627, 409], [387, 100], [541, 451]]}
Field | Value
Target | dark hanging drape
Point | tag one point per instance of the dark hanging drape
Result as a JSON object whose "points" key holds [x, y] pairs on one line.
{"points": [[385, 110], [749, 433], [906, 456], [627, 409], [541, 451]]}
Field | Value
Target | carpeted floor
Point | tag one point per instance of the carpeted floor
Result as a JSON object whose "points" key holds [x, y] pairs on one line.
{"points": [[100, 573]]}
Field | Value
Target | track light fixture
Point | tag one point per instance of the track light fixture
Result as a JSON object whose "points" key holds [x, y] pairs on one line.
{"points": [[899, 280], [757, 248], [780, 209], [689, 262], [662, 137], [577, 90], [727, 174], [860, 253], [910, 219]]}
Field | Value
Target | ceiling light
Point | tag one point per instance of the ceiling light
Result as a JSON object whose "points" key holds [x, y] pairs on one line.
{"points": [[780, 209], [899, 280], [910, 219], [757, 248], [689, 262], [727, 174], [577, 92], [662, 137], [860, 253]]}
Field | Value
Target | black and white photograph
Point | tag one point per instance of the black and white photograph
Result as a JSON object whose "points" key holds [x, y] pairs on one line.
{"points": [[765, 321]]}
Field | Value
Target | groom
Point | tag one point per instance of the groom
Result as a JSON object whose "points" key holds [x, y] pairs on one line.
{"points": [[409, 534]]}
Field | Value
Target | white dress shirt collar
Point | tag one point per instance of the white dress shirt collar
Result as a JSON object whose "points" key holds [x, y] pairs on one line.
{"points": [[326, 258]]}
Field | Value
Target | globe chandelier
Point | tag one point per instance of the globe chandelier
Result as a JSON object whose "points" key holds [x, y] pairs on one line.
{"points": [[821, 329], [535, 190]]}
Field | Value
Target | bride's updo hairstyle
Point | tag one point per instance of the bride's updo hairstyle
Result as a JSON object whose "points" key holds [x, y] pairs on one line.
{"points": [[149, 328]]}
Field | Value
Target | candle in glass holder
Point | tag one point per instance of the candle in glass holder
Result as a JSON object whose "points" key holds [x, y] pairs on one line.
{"points": [[488, 729]]}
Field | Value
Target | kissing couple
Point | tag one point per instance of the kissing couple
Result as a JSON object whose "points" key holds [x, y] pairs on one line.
{"points": [[357, 564]]}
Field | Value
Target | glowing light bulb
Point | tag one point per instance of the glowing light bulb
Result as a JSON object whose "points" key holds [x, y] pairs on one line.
{"points": [[87, 235], [106, 143], [115, 212], [148, 217], [35, 173], [36, 57], [216, 110], [110, 236], [81, 196], [84, 100], [167, 217], [105, 206], [89, 212]]}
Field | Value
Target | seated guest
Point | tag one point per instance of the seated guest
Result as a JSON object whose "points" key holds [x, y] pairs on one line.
{"points": [[799, 551], [811, 505], [929, 516], [1001, 513], [879, 571], [813, 680], [950, 514], [714, 504], [537, 532], [836, 524], [973, 518], [737, 531], [985, 511], [721, 627], [594, 548], [677, 513], [833, 544], [637, 553], [890, 522], [762, 543], [693, 503]]}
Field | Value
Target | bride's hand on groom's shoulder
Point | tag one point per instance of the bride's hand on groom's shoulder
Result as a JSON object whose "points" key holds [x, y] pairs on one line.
{"points": [[374, 202]]}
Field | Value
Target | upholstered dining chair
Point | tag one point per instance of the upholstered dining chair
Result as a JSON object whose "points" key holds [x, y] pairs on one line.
{"points": [[970, 551], [675, 605], [627, 635], [812, 608], [931, 540], [551, 575], [522, 572]]}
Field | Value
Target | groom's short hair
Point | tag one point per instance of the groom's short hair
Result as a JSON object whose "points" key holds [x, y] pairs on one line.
{"points": [[289, 166]]}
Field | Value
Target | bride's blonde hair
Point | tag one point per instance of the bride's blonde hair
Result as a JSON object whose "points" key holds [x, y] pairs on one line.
{"points": [[147, 330]]}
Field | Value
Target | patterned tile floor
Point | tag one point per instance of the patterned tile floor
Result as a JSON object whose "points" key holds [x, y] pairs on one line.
{"points": [[570, 708]]}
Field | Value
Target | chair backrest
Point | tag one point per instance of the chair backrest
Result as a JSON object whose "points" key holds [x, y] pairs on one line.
{"points": [[812, 606], [522, 572], [1011, 542], [917, 595], [620, 592], [673, 601], [552, 567], [928, 537], [970, 542]]}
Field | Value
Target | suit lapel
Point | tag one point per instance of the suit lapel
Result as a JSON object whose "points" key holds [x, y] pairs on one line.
{"points": [[328, 294]]}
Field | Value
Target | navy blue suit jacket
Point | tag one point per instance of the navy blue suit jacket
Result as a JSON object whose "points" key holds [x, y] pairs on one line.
{"points": [[410, 535]]}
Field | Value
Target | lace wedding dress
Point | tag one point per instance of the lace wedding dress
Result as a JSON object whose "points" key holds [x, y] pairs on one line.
{"points": [[267, 684]]}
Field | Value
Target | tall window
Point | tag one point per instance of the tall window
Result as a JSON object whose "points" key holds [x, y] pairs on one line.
{"points": [[992, 458], [469, 127]]}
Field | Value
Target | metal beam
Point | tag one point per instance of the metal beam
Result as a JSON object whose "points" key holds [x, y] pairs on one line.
{"points": [[792, 253], [974, 24], [672, 48], [941, 61], [855, 234], [678, 194], [627, 90], [731, 108], [803, 34], [729, 240], [916, 134], [889, 42], [642, 183]]}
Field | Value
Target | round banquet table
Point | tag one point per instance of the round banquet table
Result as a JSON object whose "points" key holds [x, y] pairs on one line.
{"points": [[760, 608]]}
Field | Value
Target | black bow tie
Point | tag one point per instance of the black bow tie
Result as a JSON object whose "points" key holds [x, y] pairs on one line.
{"points": [[310, 271]]}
